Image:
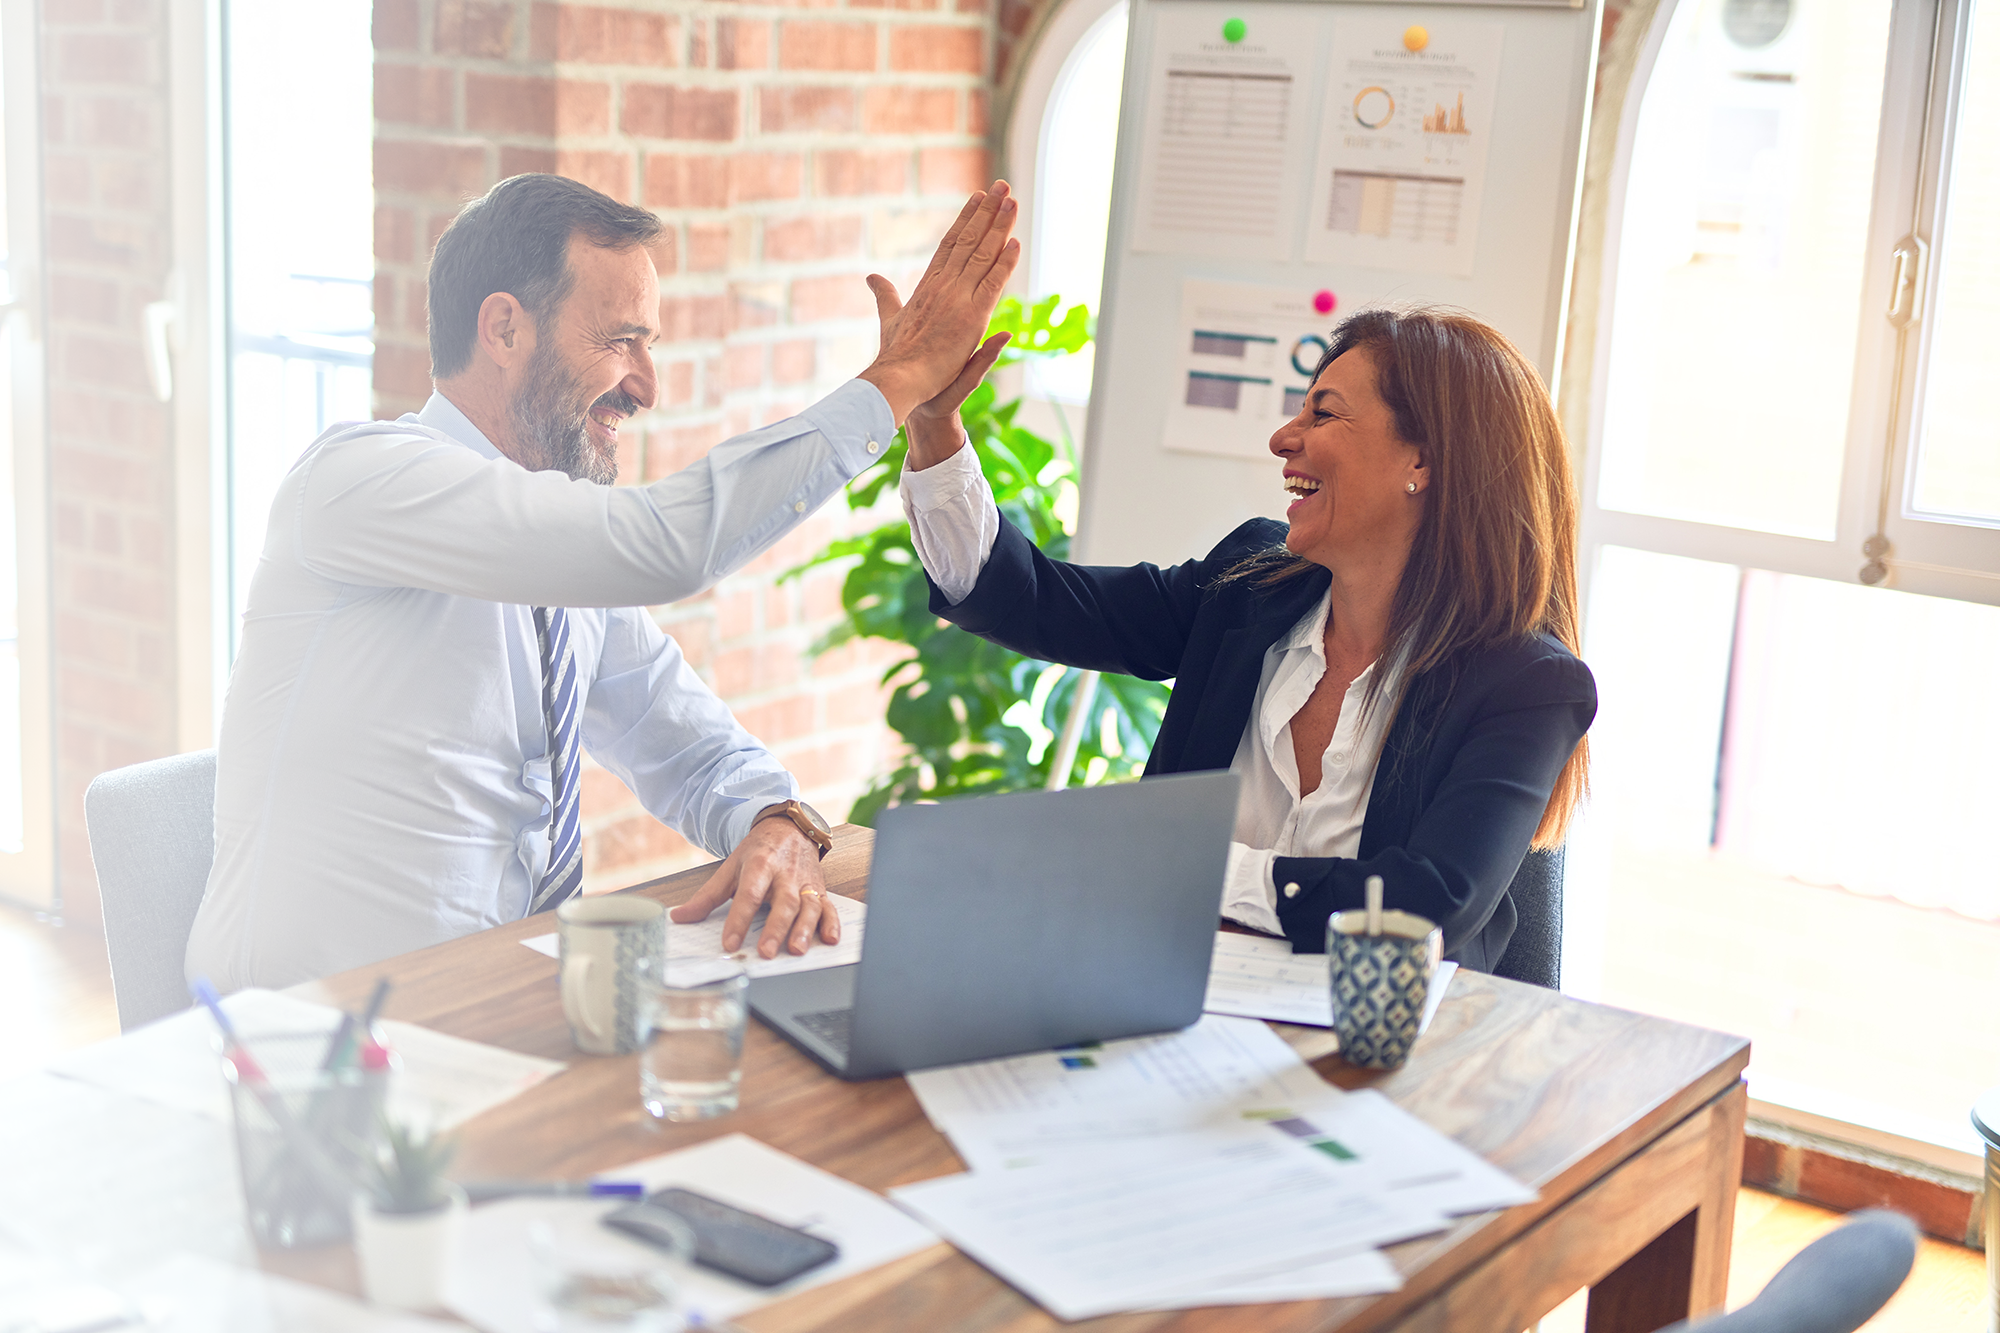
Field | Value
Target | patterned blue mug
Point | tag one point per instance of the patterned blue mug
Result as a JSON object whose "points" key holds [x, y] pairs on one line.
{"points": [[605, 942], [1380, 984]]}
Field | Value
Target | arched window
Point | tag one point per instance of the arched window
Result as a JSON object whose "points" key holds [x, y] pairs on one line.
{"points": [[1062, 140]]}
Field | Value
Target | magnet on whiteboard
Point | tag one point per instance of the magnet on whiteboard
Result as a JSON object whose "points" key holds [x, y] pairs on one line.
{"points": [[1324, 301], [1416, 37], [1233, 30]]}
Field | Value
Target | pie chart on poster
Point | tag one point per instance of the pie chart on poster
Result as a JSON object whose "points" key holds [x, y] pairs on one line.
{"points": [[1373, 107]]}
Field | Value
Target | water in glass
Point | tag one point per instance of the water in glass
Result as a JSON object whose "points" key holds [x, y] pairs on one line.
{"points": [[694, 1060]]}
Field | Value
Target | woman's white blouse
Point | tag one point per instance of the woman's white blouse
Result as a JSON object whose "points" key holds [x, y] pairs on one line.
{"points": [[953, 525]]}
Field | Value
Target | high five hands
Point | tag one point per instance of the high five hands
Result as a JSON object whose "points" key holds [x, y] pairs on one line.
{"points": [[931, 343], [931, 354]]}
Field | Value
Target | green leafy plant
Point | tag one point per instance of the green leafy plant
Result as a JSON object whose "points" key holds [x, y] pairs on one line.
{"points": [[406, 1174], [978, 719]]}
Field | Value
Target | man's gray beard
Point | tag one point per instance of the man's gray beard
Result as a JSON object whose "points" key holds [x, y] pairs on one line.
{"points": [[554, 434]]}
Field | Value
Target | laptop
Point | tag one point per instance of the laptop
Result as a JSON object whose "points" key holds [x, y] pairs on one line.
{"points": [[1004, 924]]}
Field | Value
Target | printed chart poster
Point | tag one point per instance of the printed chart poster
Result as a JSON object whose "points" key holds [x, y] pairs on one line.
{"points": [[1226, 128], [1243, 364], [1402, 149]]}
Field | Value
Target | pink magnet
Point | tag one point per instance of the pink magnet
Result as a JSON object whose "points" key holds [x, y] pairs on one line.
{"points": [[1324, 302]]}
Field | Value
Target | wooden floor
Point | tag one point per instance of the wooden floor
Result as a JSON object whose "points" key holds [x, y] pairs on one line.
{"points": [[55, 987]]}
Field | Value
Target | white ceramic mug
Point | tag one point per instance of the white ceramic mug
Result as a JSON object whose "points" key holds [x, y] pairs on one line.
{"points": [[603, 942]]}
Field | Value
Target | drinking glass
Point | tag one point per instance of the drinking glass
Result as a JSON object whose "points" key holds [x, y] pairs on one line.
{"points": [[692, 1064], [587, 1286]]}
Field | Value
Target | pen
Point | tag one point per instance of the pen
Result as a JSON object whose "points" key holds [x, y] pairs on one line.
{"points": [[204, 990], [352, 1030], [482, 1191]]}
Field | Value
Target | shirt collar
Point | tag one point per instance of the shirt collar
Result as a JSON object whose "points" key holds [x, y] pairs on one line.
{"points": [[442, 415], [1310, 631]]}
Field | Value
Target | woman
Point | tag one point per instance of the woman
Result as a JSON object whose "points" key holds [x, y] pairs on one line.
{"points": [[1393, 672]]}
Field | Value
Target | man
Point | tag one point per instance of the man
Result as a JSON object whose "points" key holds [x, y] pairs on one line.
{"points": [[445, 608]]}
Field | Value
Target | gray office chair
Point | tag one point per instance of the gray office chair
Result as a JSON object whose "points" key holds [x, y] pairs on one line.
{"points": [[1834, 1285], [152, 835], [1535, 954]]}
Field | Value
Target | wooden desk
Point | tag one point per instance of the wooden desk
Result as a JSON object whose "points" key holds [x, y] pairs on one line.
{"points": [[1631, 1128]]}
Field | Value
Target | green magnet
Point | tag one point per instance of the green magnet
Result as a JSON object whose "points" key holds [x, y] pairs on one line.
{"points": [[1233, 30]]}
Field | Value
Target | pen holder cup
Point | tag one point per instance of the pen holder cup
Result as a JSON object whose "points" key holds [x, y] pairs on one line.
{"points": [[1380, 984], [303, 1136]]}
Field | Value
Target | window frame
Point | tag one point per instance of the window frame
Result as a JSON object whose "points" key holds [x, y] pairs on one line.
{"points": [[198, 302], [1870, 408], [29, 877]]}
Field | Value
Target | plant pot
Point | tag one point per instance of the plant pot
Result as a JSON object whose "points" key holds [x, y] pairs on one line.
{"points": [[405, 1257]]}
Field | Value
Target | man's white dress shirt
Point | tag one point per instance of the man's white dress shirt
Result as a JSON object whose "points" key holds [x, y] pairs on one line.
{"points": [[382, 776], [953, 524]]}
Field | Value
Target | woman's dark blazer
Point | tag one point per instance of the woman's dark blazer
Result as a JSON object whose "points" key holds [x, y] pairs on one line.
{"points": [[1471, 755]]}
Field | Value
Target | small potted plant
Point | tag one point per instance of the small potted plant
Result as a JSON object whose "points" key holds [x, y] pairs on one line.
{"points": [[407, 1218]]}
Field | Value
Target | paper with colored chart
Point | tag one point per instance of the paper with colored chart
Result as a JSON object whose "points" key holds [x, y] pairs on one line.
{"points": [[694, 952], [1128, 1228], [1404, 130], [1244, 358], [1021, 1109]]}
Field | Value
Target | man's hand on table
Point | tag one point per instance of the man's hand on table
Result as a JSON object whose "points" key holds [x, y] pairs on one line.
{"points": [[774, 863]]}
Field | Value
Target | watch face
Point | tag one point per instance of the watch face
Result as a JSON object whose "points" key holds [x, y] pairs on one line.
{"points": [[818, 819]]}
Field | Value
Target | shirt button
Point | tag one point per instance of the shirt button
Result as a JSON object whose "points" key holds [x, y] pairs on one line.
{"points": [[1291, 890], [874, 448], [1340, 756], [799, 507]]}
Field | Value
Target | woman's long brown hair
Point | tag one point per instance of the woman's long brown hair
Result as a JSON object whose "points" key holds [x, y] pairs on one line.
{"points": [[1494, 558]]}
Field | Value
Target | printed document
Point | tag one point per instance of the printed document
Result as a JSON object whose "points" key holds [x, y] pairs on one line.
{"points": [[1020, 1109], [1130, 1228], [444, 1081], [495, 1283], [1256, 976], [1404, 130], [694, 952], [1243, 363], [1227, 126]]}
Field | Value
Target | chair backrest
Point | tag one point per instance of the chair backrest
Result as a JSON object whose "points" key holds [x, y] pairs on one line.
{"points": [[1834, 1285], [1535, 954], [152, 836]]}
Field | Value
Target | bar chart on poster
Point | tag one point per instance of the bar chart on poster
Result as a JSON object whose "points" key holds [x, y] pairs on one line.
{"points": [[1281, 165]]}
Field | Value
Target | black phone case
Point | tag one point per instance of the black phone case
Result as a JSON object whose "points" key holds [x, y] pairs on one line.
{"points": [[726, 1238]]}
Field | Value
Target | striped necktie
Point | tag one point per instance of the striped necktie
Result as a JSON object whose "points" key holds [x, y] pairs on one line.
{"points": [[565, 719]]}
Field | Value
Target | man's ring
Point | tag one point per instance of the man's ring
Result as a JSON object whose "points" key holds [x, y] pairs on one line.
{"points": [[809, 893]]}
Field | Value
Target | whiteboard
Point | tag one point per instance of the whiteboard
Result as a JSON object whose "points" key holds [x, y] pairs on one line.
{"points": [[1222, 252]]}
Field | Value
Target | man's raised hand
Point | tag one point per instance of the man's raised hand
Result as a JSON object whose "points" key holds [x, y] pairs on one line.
{"points": [[928, 341]]}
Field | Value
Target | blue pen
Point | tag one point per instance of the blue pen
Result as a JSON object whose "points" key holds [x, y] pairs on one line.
{"points": [[483, 1190]]}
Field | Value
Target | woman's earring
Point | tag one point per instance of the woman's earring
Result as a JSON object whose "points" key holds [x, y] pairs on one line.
{"points": [[1410, 486]]}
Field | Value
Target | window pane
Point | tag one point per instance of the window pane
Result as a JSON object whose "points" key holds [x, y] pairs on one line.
{"points": [[1740, 265], [1073, 190], [1958, 459], [301, 247], [1850, 789]]}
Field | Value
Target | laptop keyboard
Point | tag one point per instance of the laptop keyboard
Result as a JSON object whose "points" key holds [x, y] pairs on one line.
{"points": [[835, 1027]]}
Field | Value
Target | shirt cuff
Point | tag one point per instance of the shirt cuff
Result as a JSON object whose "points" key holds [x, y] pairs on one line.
{"points": [[857, 423], [944, 483], [1248, 897]]}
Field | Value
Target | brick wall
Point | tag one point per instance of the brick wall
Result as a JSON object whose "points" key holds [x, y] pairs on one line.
{"points": [[791, 149], [111, 471]]}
